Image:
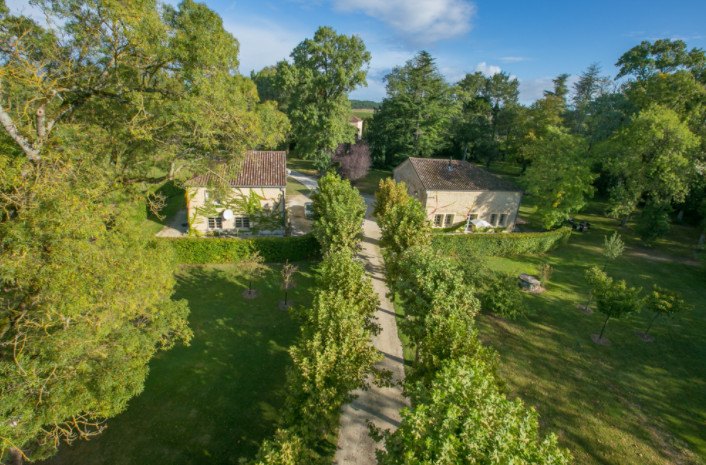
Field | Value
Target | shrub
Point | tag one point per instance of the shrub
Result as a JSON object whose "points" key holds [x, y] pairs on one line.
{"points": [[193, 250], [500, 244]]}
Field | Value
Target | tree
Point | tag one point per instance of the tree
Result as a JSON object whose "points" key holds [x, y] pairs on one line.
{"points": [[415, 114], [315, 86], [560, 177], [654, 155], [613, 248], [595, 277], [85, 303], [253, 267], [338, 214], [125, 82], [465, 419], [287, 272], [354, 160], [389, 194], [662, 301], [405, 226], [486, 113], [615, 299], [663, 56], [587, 89]]}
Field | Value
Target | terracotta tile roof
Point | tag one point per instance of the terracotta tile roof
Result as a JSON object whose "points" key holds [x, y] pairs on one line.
{"points": [[355, 119], [256, 169], [463, 176]]}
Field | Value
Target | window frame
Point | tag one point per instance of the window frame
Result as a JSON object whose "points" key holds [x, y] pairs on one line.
{"points": [[449, 220], [216, 221], [439, 220], [241, 222], [493, 219]]}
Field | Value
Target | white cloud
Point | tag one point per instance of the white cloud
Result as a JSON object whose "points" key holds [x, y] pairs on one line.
{"points": [[487, 69], [421, 22]]}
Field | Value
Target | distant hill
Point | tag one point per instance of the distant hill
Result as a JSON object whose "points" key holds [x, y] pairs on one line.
{"points": [[364, 105]]}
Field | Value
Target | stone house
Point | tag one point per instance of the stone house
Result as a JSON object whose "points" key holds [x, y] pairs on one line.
{"points": [[455, 192], [253, 202]]}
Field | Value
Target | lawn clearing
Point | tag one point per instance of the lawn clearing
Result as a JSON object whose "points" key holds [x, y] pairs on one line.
{"points": [[216, 400], [369, 183], [176, 200], [632, 402], [301, 165]]}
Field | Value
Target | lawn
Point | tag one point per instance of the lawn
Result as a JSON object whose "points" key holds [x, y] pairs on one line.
{"points": [[369, 183], [628, 403], [301, 165], [175, 198], [216, 400], [363, 113]]}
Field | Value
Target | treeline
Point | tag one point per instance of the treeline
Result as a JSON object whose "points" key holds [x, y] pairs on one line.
{"points": [[459, 415], [364, 104], [334, 354]]}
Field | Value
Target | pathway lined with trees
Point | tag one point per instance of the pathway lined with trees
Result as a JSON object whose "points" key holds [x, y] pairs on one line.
{"points": [[379, 405]]}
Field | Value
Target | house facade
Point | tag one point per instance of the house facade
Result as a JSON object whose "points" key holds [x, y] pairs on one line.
{"points": [[357, 123], [455, 192], [253, 202]]}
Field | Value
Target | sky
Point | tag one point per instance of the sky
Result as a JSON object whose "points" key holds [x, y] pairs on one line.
{"points": [[533, 41]]}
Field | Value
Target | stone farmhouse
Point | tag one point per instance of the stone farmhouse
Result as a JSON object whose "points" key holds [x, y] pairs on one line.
{"points": [[454, 193], [357, 123], [253, 201]]}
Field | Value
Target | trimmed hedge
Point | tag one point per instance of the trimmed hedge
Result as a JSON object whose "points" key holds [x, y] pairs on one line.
{"points": [[195, 250], [500, 244]]}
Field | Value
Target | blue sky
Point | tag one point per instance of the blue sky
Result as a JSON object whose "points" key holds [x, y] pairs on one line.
{"points": [[531, 40]]}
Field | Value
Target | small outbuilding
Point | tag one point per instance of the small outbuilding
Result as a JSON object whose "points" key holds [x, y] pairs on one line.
{"points": [[357, 123], [252, 202], [454, 193]]}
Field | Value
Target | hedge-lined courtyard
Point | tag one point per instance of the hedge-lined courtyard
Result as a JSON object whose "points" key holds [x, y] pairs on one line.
{"points": [[214, 401]]}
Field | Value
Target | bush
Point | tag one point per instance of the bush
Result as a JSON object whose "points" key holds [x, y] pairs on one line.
{"points": [[500, 244], [193, 251]]}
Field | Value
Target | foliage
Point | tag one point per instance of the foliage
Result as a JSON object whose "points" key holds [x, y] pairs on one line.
{"points": [[663, 56], [560, 177], [544, 271], [354, 160], [663, 301], [463, 245], [615, 299], [315, 88], [487, 114], [389, 194], [653, 223], [364, 104], [194, 251], [613, 246], [127, 84], [404, 226], [253, 267], [85, 303], [463, 418], [338, 214], [414, 116]]}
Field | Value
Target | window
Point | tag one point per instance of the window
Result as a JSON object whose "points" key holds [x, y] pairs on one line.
{"points": [[242, 222], [472, 216], [449, 220], [215, 223], [438, 220], [494, 219], [503, 218]]}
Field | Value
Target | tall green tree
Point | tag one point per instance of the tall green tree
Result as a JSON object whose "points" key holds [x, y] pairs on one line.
{"points": [[560, 177], [463, 418], [486, 114], [315, 87], [338, 214], [414, 117]]}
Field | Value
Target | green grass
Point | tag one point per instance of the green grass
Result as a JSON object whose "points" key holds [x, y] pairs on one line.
{"points": [[369, 183], [301, 165], [295, 187], [216, 400], [631, 402]]}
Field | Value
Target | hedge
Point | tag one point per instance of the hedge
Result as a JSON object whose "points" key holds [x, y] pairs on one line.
{"points": [[500, 244], [195, 250]]}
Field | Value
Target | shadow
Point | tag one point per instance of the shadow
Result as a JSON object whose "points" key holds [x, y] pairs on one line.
{"points": [[393, 358]]}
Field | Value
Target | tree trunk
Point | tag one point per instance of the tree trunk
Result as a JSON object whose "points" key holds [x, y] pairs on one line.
{"points": [[680, 216], [285, 297], [525, 163], [172, 168], [249, 286], [590, 298], [624, 222], [650, 325], [600, 336]]}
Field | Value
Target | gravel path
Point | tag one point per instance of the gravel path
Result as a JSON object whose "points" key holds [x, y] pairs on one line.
{"points": [[381, 406], [309, 181]]}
